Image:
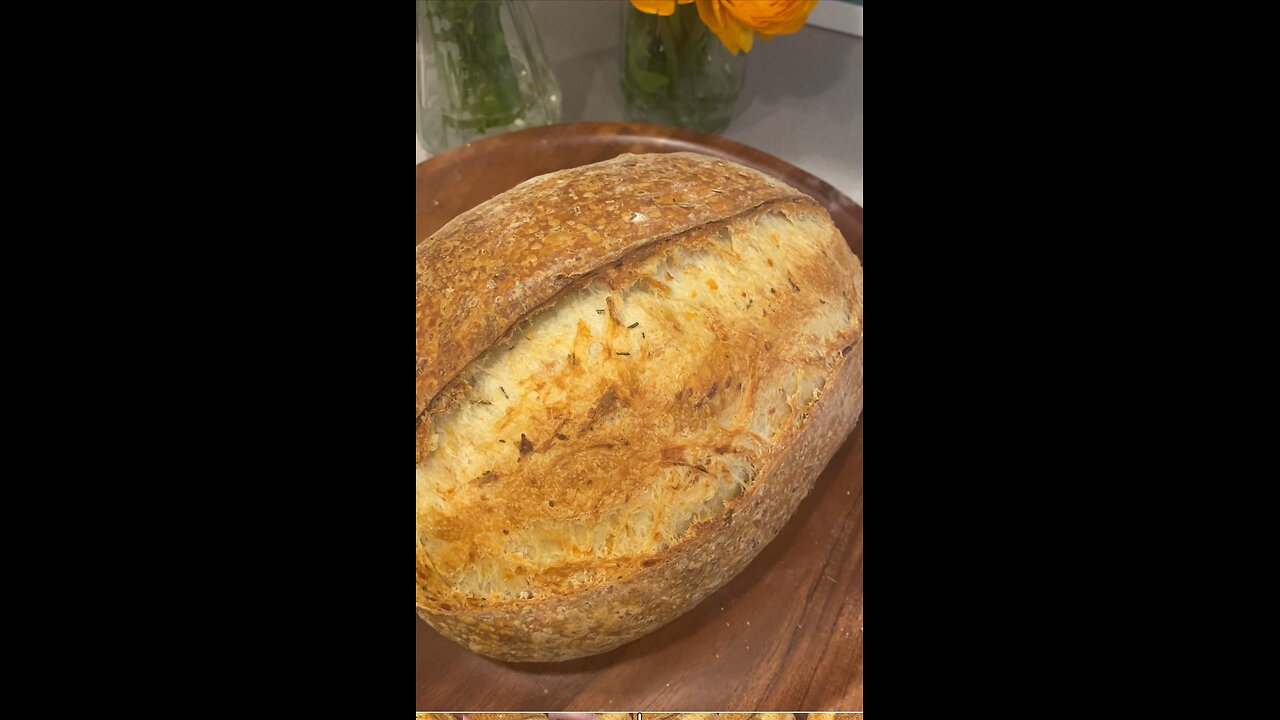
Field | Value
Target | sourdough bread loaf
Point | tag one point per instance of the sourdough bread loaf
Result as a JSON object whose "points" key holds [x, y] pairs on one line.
{"points": [[629, 374]]}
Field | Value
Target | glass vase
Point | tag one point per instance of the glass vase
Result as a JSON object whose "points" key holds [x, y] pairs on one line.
{"points": [[481, 71], [676, 72]]}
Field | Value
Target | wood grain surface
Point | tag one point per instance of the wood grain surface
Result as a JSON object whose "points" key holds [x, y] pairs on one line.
{"points": [[786, 634], [639, 716]]}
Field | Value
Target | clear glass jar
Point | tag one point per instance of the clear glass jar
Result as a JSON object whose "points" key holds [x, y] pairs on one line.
{"points": [[481, 71], [675, 71]]}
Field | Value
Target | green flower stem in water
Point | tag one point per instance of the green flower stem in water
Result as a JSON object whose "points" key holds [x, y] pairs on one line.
{"points": [[676, 72], [471, 49], [667, 34]]}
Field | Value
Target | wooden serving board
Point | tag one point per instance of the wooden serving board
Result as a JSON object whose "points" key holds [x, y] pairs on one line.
{"points": [[786, 634]]}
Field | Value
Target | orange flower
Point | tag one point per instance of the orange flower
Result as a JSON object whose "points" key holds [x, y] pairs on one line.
{"points": [[736, 22], [658, 7]]}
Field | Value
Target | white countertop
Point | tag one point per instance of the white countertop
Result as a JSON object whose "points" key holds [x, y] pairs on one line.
{"points": [[801, 102]]}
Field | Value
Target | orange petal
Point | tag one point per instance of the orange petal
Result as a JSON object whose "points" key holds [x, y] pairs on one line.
{"points": [[775, 17], [655, 7], [715, 6], [792, 22], [709, 11], [745, 37], [723, 25]]}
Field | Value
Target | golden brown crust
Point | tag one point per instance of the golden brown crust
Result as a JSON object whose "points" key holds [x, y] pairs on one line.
{"points": [[601, 618], [719, 716], [491, 266], [570, 618]]}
